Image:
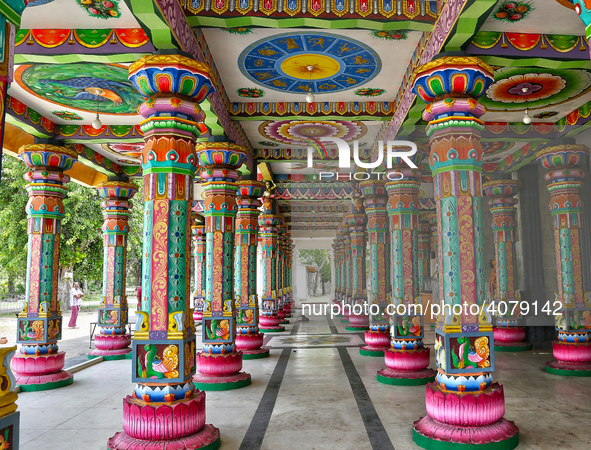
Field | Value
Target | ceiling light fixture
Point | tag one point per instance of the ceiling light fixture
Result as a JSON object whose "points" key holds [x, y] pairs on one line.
{"points": [[96, 123], [310, 98]]}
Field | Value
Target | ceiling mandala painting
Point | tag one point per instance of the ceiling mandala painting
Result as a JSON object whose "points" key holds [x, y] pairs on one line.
{"points": [[296, 62], [81, 86], [301, 132], [520, 88]]}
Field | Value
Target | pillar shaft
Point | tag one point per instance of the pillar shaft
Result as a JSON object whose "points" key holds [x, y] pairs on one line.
{"points": [[40, 322], [165, 404], [424, 253], [463, 340], [356, 221], [113, 341], [565, 182], [198, 233], [374, 192]]}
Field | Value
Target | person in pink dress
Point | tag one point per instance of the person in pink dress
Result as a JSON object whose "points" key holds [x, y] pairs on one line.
{"points": [[76, 295]]}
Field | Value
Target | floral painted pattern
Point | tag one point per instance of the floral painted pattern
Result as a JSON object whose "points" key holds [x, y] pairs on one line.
{"points": [[393, 35], [238, 30], [251, 92], [105, 9], [545, 115], [369, 92], [510, 11], [66, 115], [524, 88]]}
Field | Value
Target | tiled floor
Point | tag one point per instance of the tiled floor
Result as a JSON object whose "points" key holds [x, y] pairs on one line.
{"points": [[316, 407]]}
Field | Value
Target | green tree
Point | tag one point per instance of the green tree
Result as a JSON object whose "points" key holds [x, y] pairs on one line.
{"points": [[321, 259]]}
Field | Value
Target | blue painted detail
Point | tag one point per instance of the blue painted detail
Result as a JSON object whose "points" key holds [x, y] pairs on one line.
{"points": [[261, 61]]}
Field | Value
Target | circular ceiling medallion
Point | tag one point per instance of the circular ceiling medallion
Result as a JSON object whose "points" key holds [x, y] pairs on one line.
{"points": [[81, 86], [519, 88], [125, 153], [282, 62], [496, 147], [301, 132]]}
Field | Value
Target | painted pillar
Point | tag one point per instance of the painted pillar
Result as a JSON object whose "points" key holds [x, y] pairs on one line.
{"points": [[344, 312], [198, 233], [464, 406], [347, 274], [509, 336], [248, 339], [334, 271], [573, 319], [112, 341], [165, 405], [287, 303], [377, 338], [219, 365], [424, 252], [407, 359], [268, 221], [38, 366], [281, 262], [359, 318]]}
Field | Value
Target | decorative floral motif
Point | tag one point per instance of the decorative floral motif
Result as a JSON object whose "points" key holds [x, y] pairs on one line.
{"points": [[268, 144], [545, 115], [512, 11], [105, 9], [393, 35], [296, 132], [517, 88], [369, 92], [67, 115], [251, 92], [239, 30]]}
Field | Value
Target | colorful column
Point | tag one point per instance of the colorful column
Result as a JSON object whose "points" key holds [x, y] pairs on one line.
{"points": [[407, 359], [464, 407], [198, 233], [377, 338], [509, 336], [220, 363], [9, 416], [424, 251], [165, 406], [112, 341], [248, 339], [281, 297], [337, 279], [359, 318], [268, 221], [573, 318], [347, 274], [287, 302], [38, 366]]}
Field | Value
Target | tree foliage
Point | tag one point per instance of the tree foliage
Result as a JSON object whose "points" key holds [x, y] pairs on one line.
{"points": [[321, 259]]}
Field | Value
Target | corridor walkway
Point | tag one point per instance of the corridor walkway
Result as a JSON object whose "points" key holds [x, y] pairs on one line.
{"points": [[315, 392]]}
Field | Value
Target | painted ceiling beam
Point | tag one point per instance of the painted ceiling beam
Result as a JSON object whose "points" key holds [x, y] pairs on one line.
{"points": [[361, 110], [422, 11], [152, 15]]}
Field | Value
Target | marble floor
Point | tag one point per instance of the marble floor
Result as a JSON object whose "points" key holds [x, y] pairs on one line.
{"points": [[315, 392]]}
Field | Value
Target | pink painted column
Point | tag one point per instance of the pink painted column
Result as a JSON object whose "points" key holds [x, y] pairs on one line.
{"points": [[377, 338], [248, 338], [198, 233], [165, 409], [465, 408], [281, 256], [38, 364], [359, 318], [112, 341], [219, 365], [509, 336], [407, 359], [572, 350]]}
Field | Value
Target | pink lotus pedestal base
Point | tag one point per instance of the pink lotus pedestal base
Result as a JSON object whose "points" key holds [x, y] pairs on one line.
{"points": [[510, 339], [407, 367], [41, 373], [250, 346], [159, 426], [270, 324], [220, 372], [111, 347], [197, 317], [571, 360], [433, 435], [358, 322], [377, 343]]}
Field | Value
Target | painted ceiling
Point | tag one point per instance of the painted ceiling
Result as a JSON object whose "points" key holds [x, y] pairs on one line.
{"points": [[348, 65]]}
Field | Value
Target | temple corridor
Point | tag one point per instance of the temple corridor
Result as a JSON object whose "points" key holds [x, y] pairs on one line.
{"points": [[313, 396]]}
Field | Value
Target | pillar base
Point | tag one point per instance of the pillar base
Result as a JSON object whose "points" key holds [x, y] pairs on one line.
{"points": [[208, 438], [571, 359], [510, 339], [569, 370], [406, 377], [377, 343], [356, 327], [284, 322], [256, 354], [366, 350], [110, 355], [32, 383], [433, 435], [276, 329], [250, 346], [220, 383]]}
